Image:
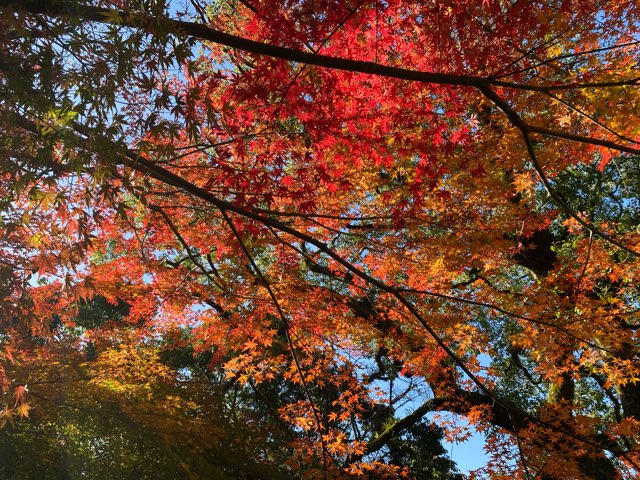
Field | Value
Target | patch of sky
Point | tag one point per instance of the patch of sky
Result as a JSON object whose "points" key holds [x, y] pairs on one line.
{"points": [[468, 454]]}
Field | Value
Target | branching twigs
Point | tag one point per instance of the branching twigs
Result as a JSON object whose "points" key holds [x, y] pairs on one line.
{"points": [[146, 167], [455, 299], [576, 289], [185, 245], [202, 32], [583, 139], [526, 130], [510, 314], [590, 117], [520, 452], [524, 54], [565, 56], [287, 331]]}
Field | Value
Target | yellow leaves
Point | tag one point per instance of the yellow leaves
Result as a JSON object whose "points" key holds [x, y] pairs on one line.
{"points": [[54, 120], [178, 403], [564, 120], [437, 266], [22, 410], [525, 182], [35, 240], [129, 369], [112, 16], [43, 198], [303, 422]]}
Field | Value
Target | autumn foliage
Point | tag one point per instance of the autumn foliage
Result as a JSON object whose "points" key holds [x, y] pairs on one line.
{"points": [[350, 219]]}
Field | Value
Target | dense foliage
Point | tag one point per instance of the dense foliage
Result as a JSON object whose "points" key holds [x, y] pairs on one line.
{"points": [[264, 238]]}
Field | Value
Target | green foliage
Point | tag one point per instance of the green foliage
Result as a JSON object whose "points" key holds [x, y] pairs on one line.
{"points": [[420, 449]]}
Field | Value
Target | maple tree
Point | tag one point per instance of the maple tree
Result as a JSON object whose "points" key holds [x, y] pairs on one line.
{"points": [[392, 208], [165, 415]]}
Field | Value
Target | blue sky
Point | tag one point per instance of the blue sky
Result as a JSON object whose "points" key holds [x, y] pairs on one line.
{"points": [[468, 455]]}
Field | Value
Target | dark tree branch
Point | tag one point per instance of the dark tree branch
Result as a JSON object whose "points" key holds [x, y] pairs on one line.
{"points": [[526, 130], [178, 27], [287, 330]]}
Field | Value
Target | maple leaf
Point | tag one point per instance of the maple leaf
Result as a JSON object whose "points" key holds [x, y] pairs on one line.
{"points": [[19, 395], [43, 263], [287, 181], [22, 410], [336, 202]]}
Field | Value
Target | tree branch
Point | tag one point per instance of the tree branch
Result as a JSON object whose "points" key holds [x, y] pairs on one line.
{"points": [[526, 130]]}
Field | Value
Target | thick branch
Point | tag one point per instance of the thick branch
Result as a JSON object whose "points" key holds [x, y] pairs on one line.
{"points": [[402, 424], [178, 27], [569, 86], [146, 167], [59, 8], [582, 139], [140, 20]]}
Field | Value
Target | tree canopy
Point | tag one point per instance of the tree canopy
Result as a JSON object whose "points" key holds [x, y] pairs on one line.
{"points": [[306, 225]]}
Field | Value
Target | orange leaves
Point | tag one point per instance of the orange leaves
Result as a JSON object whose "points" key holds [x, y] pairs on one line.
{"points": [[378, 469], [247, 369], [44, 263], [257, 362], [18, 407], [525, 183], [6, 352], [22, 410], [395, 236], [620, 374], [19, 394]]}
